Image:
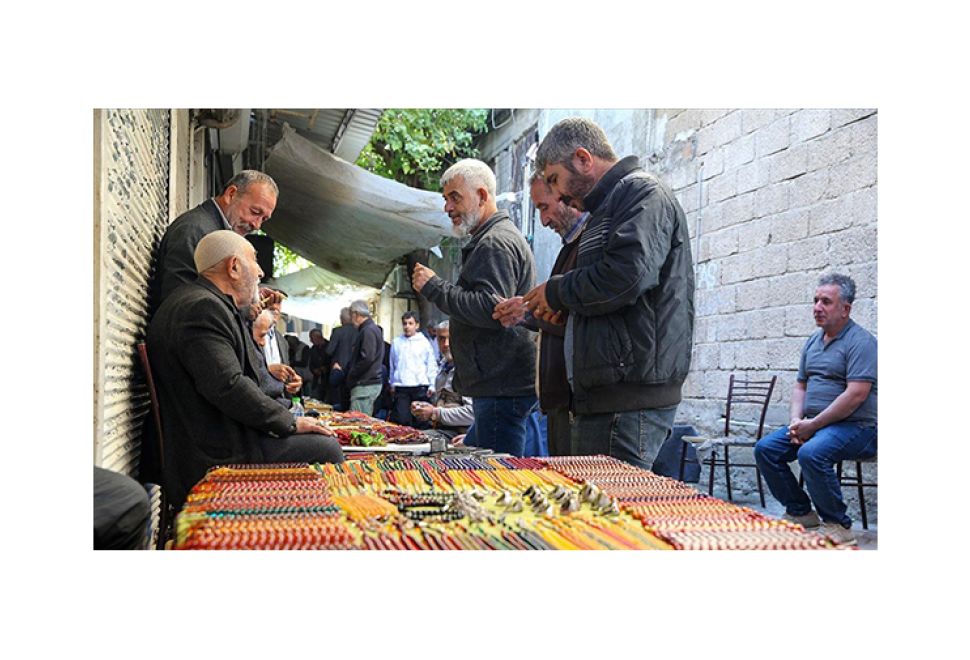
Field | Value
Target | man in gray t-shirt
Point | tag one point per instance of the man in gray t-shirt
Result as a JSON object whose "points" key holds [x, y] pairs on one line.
{"points": [[833, 415]]}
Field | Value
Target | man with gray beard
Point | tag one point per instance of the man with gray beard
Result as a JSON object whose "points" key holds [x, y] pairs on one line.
{"points": [[495, 366], [204, 362]]}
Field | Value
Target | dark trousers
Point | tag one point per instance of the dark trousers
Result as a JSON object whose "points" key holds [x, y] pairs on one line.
{"points": [[302, 448], [338, 394], [559, 432], [401, 409]]}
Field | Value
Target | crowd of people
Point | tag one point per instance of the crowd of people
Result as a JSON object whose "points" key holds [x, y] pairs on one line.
{"points": [[602, 347]]}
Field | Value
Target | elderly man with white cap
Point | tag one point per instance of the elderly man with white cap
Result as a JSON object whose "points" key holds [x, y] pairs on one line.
{"points": [[213, 411]]}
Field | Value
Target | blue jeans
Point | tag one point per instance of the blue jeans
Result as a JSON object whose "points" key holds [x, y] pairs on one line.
{"points": [[817, 458], [500, 423], [633, 436]]}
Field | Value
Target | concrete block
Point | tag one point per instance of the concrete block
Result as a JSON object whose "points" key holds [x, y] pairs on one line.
{"points": [[863, 136], [799, 322], [688, 198], [842, 116], [723, 243], [788, 226], [753, 119], [752, 355], [793, 288], [712, 216], [784, 353], [829, 216], [733, 269], [788, 163], [727, 359], [754, 234], [864, 312], [708, 275], [704, 140], [772, 199], [810, 188], [732, 327], [855, 245], [705, 356], [866, 279], [739, 152], [715, 384], [773, 138], [832, 148], [772, 260], [723, 186], [773, 322], [752, 176], [809, 254], [852, 175], [710, 115], [705, 329], [727, 128], [809, 123], [738, 209], [691, 389], [719, 300], [864, 205], [752, 294], [712, 163], [684, 124]]}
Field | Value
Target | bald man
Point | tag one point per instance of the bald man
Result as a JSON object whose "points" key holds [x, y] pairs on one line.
{"points": [[205, 366]]}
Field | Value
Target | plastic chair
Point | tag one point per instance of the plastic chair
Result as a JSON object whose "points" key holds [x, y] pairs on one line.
{"points": [[739, 391], [165, 509]]}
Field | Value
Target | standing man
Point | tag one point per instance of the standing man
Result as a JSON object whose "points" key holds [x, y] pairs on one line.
{"points": [[412, 370], [246, 203], [317, 365], [833, 415], [495, 365], [203, 358], [367, 357], [630, 297], [555, 396], [339, 351]]}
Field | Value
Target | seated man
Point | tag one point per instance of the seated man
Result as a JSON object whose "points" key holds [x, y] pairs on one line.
{"points": [[449, 412], [833, 415], [277, 380], [213, 411]]}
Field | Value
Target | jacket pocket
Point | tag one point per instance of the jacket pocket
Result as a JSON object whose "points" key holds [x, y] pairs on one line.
{"points": [[603, 351]]}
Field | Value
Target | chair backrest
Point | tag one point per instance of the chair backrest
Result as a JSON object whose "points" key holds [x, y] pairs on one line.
{"points": [[147, 368], [749, 391]]}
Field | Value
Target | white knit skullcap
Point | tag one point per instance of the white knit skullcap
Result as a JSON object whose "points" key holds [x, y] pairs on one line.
{"points": [[218, 245]]}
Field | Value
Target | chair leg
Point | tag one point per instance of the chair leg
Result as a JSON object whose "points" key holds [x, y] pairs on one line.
{"points": [[710, 481], [761, 488], [727, 472], [683, 457], [862, 496]]}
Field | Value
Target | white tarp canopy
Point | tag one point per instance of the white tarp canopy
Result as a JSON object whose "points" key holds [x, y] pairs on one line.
{"points": [[345, 219], [317, 295]]}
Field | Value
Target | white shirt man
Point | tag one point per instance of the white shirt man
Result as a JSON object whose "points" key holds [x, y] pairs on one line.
{"points": [[413, 369]]}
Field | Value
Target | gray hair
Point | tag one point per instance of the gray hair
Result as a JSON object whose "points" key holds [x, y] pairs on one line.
{"points": [[345, 315], [442, 325], [568, 135], [246, 178], [266, 316], [474, 173], [845, 283], [360, 307]]}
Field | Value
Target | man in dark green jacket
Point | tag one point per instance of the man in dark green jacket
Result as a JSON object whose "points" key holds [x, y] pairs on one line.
{"points": [[495, 366], [630, 296]]}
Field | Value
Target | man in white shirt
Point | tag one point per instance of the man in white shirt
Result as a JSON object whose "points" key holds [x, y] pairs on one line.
{"points": [[413, 371]]}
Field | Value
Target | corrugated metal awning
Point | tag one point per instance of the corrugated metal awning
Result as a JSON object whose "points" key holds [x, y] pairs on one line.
{"points": [[342, 132]]}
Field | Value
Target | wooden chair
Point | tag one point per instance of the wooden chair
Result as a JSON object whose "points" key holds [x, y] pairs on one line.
{"points": [[739, 391], [166, 515], [856, 480]]}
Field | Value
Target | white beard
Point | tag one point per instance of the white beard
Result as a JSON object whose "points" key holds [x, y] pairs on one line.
{"points": [[468, 222]]}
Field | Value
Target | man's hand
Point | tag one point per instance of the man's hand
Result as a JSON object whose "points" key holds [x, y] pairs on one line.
{"points": [[336, 365], [282, 372], [268, 298], [458, 440], [294, 385], [420, 276], [538, 304], [421, 410], [510, 311], [801, 431], [312, 425]]}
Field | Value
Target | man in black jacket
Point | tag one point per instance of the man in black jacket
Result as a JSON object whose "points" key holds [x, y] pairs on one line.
{"points": [[494, 365], [247, 201], [339, 351], [367, 358], [630, 297], [555, 397], [204, 362]]}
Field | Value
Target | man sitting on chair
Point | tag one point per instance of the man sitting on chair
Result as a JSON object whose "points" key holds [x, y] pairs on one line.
{"points": [[833, 415]]}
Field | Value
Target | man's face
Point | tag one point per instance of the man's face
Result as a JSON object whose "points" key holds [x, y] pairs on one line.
{"points": [[463, 206], [247, 211], [830, 311], [261, 329], [552, 212], [247, 288], [357, 319], [410, 327], [316, 338], [568, 183], [444, 345]]}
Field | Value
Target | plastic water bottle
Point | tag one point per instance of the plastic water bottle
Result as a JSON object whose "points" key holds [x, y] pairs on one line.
{"points": [[297, 407]]}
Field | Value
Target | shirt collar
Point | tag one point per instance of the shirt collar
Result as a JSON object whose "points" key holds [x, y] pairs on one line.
{"points": [[221, 214]]}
